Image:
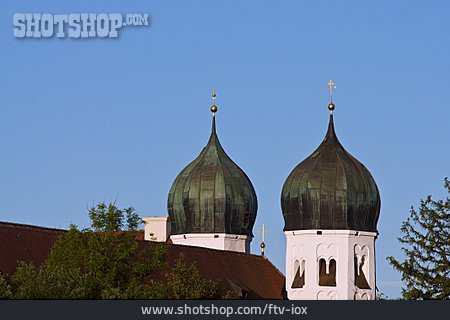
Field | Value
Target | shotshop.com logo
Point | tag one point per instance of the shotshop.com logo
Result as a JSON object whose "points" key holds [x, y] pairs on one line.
{"points": [[75, 25]]}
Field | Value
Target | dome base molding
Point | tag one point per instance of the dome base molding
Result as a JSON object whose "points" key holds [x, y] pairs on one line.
{"points": [[218, 241]]}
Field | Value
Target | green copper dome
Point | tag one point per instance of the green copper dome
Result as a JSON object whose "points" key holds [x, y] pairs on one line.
{"points": [[330, 190], [212, 195]]}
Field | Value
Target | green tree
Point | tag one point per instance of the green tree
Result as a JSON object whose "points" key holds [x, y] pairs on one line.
{"points": [[110, 255], [185, 282], [5, 288], [381, 296], [425, 236], [106, 262], [109, 218], [45, 282]]}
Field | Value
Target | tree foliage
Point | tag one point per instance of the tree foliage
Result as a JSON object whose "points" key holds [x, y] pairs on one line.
{"points": [[113, 260], [5, 288], [185, 282], [45, 282], [426, 245], [109, 218], [106, 262]]}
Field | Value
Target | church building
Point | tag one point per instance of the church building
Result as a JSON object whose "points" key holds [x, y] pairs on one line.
{"points": [[330, 204]]}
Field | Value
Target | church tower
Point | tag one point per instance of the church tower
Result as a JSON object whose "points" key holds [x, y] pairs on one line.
{"points": [[212, 202], [330, 205]]}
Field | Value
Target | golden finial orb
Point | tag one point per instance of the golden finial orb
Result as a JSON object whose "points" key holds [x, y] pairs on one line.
{"points": [[331, 86], [214, 107]]}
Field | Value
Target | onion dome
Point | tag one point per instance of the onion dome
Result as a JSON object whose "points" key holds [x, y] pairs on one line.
{"points": [[212, 194], [330, 190]]}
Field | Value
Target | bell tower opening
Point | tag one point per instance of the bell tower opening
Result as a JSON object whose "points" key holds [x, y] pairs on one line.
{"points": [[327, 273], [299, 278], [360, 277]]}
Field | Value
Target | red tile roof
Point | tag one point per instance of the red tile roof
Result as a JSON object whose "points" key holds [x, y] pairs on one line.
{"points": [[250, 275], [235, 271], [20, 242]]}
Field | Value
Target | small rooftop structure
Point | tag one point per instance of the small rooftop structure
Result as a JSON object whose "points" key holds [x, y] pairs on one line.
{"points": [[156, 229]]}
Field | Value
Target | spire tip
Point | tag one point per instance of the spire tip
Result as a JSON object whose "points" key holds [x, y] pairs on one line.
{"points": [[214, 107], [331, 86]]}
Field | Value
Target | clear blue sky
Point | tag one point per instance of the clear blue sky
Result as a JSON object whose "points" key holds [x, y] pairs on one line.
{"points": [[86, 120]]}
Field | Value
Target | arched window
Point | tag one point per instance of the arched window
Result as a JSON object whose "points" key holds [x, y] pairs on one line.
{"points": [[360, 278], [299, 277], [327, 273]]}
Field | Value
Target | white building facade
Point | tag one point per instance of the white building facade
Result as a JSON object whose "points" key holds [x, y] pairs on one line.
{"points": [[330, 265]]}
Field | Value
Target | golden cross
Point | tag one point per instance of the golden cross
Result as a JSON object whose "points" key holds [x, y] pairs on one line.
{"points": [[262, 232], [331, 86], [214, 96]]}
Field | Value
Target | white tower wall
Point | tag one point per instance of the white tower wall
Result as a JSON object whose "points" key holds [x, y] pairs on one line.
{"points": [[305, 248]]}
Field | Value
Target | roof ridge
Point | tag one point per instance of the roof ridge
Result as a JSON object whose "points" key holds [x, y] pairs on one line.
{"points": [[14, 224]]}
